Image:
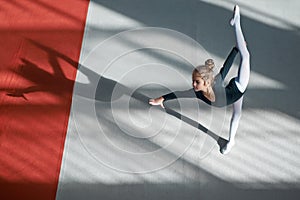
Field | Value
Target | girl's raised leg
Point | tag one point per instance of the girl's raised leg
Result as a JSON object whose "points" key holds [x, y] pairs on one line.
{"points": [[244, 68]]}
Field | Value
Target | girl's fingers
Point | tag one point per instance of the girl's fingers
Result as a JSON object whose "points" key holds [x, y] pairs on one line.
{"points": [[154, 102]]}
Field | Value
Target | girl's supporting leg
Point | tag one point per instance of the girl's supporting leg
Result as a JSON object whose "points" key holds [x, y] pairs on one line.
{"points": [[234, 123]]}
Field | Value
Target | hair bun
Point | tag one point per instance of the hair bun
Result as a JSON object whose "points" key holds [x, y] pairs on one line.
{"points": [[210, 64]]}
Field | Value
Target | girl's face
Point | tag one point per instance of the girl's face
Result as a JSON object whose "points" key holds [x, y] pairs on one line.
{"points": [[198, 83]]}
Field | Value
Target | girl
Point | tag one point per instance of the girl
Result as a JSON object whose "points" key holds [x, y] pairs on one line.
{"points": [[210, 89]]}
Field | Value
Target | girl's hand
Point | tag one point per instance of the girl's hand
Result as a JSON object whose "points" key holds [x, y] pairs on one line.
{"points": [[157, 101]]}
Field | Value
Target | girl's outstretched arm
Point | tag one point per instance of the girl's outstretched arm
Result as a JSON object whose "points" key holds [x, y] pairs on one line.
{"points": [[173, 95]]}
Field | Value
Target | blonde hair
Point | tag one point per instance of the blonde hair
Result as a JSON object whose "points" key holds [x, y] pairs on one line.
{"points": [[205, 71]]}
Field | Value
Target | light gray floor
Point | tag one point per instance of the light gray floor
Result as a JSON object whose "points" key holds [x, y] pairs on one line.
{"points": [[119, 147]]}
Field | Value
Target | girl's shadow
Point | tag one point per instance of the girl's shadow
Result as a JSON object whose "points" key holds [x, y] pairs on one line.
{"points": [[104, 93]]}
